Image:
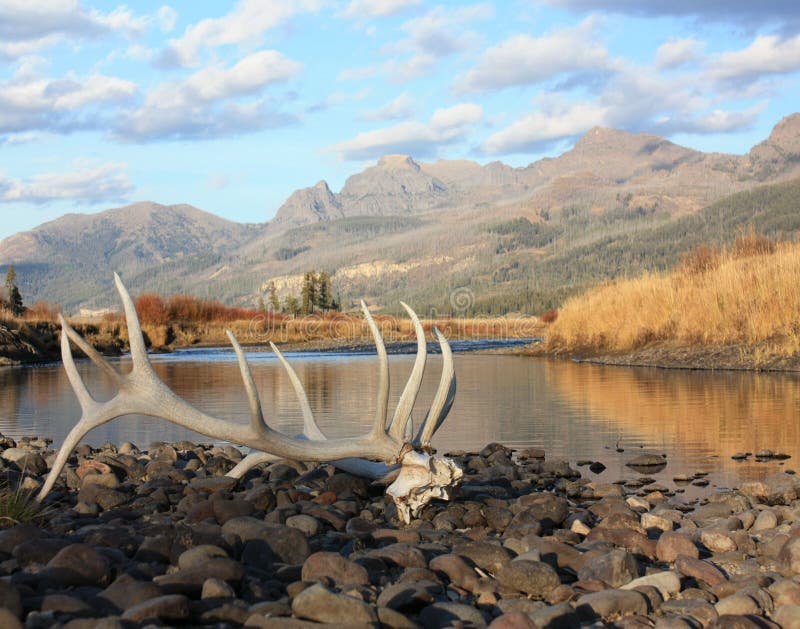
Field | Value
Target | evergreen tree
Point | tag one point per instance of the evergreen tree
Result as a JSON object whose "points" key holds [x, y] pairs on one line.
{"points": [[292, 307], [11, 277], [308, 296], [261, 306], [324, 297], [14, 296], [272, 293]]}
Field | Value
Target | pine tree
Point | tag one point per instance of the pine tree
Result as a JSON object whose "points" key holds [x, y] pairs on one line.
{"points": [[308, 295], [261, 306], [292, 307], [324, 296], [11, 277], [14, 296], [272, 292]]}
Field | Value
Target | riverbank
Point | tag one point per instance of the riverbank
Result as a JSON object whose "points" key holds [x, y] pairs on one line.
{"points": [[38, 341], [132, 537], [672, 355], [733, 308]]}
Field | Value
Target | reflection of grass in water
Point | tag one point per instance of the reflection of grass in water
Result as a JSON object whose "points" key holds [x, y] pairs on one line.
{"points": [[717, 413], [18, 506]]}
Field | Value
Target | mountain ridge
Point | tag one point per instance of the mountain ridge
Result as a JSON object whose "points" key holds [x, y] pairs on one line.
{"points": [[402, 228]]}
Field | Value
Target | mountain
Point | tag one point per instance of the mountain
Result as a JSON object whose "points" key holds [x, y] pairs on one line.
{"points": [[517, 238], [72, 259]]}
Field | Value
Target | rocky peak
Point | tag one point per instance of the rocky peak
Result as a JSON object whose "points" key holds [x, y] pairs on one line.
{"points": [[309, 205], [398, 162], [783, 143], [396, 184]]}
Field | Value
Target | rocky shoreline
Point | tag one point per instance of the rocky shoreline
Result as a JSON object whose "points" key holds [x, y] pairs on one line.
{"points": [[132, 538]]}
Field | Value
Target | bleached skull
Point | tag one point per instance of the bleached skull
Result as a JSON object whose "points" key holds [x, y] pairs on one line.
{"points": [[422, 478]]}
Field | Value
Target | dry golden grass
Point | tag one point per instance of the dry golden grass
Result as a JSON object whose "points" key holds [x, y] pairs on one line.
{"points": [[746, 295]]}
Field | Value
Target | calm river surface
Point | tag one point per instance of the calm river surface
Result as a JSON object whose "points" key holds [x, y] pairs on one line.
{"points": [[573, 411]]}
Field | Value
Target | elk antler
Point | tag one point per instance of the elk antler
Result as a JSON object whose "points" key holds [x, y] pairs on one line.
{"points": [[439, 409], [141, 392]]}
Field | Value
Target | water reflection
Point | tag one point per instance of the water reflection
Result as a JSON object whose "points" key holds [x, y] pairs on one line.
{"points": [[573, 411]]}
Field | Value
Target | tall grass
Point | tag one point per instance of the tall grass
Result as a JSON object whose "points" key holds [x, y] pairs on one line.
{"points": [[747, 294]]}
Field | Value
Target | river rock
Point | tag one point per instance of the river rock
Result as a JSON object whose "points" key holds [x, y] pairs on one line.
{"points": [[667, 583], [609, 604], [168, 608], [288, 545], [79, 564], [216, 588], [513, 620], [447, 614], [737, 604], [534, 578], [8, 620], [190, 580], [199, 555], [406, 597], [789, 556], [320, 604], [616, 567], [787, 616], [485, 555], [457, 570], [765, 521], [672, 543], [12, 537], [699, 569], [335, 567], [126, 592], [717, 541], [38, 550], [10, 598]]}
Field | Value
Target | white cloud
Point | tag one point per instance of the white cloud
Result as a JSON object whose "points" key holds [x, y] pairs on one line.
{"points": [[246, 24], [167, 17], [399, 108], [30, 103], [97, 184], [768, 54], [27, 26], [746, 12], [437, 34], [526, 60], [201, 105], [365, 9], [635, 99], [540, 127], [678, 52], [446, 126]]}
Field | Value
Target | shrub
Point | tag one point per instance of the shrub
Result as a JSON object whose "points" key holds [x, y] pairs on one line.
{"points": [[701, 259], [548, 316], [752, 244]]}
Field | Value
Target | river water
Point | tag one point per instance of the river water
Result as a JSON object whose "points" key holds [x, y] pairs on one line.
{"points": [[572, 411]]}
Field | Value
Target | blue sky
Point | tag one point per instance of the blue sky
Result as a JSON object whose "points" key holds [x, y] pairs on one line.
{"points": [[230, 106]]}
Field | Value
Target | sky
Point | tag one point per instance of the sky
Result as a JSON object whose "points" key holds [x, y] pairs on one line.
{"points": [[232, 105]]}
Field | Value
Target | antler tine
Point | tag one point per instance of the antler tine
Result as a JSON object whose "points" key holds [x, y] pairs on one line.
{"points": [[84, 397], [445, 394], [310, 427], [135, 337], [89, 406], [402, 413], [382, 407], [87, 349], [256, 414]]}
